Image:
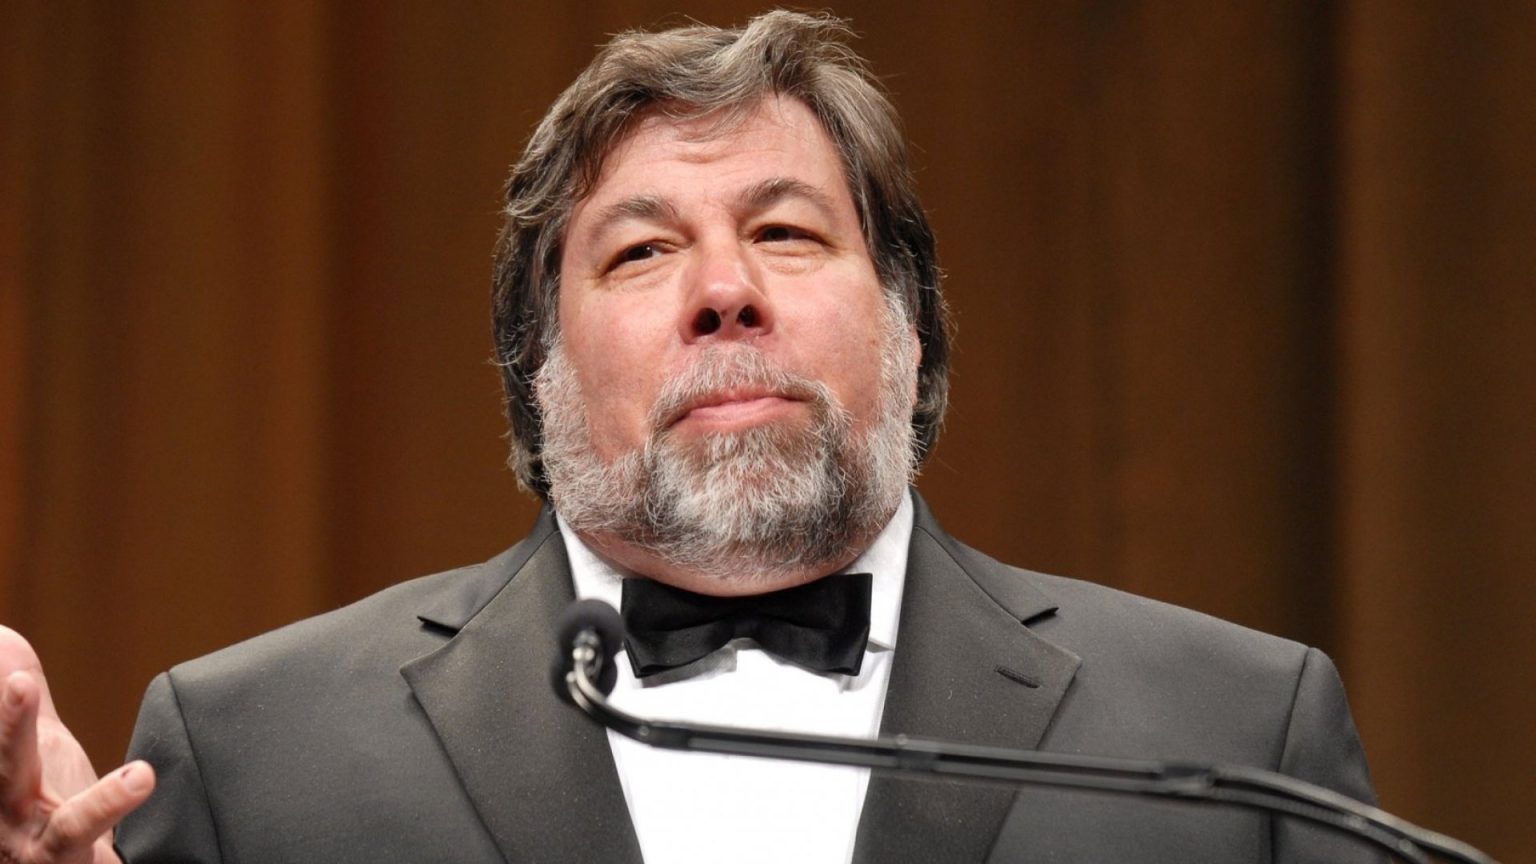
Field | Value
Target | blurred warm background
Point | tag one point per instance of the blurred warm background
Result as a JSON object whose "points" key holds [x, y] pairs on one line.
{"points": [[1246, 293]]}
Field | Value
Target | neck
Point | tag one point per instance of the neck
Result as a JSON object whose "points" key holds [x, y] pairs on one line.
{"points": [[751, 577]]}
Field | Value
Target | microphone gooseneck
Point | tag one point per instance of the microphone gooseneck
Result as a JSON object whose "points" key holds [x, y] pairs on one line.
{"points": [[591, 633]]}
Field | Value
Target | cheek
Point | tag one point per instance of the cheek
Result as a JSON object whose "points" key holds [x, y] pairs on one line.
{"points": [[850, 337], [609, 352]]}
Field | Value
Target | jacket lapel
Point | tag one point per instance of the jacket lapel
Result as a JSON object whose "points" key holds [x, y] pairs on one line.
{"points": [[968, 669], [541, 778]]}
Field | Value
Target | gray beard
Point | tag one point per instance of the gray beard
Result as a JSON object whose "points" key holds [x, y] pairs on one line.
{"points": [[747, 506]]}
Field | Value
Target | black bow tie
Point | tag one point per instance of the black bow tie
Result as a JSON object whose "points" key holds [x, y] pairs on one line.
{"points": [[821, 625]]}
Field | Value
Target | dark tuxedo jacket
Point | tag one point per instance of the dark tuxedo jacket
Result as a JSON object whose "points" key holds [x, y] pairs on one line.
{"points": [[419, 725]]}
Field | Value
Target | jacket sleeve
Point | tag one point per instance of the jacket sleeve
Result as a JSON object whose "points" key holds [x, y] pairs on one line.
{"points": [[1322, 747], [176, 824]]}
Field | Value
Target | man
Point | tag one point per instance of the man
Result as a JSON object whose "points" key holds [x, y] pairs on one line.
{"points": [[724, 349]]}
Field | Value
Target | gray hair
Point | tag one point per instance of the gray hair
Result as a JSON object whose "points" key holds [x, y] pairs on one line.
{"points": [[692, 72]]}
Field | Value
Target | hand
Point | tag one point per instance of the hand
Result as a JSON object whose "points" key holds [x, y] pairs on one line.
{"points": [[53, 810]]}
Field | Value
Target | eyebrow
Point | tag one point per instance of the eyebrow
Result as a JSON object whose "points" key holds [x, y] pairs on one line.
{"points": [[644, 208], [766, 193]]}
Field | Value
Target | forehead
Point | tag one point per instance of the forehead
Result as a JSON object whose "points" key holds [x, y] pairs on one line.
{"points": [[776, 135]]}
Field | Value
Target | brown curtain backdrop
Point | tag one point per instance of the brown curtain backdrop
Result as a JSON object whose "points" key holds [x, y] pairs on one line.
{"points": [[1246, 292]]}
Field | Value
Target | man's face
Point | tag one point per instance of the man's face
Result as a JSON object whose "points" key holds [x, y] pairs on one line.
{"points": [[686, 231], [733, 388]]}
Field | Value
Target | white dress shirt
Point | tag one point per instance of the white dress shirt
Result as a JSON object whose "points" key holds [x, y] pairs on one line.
{"points": [[690, 808]]}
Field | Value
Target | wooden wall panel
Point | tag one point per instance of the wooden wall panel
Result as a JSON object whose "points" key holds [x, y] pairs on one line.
{"points": [[1438, 369], [172, 461], [1245, 296]]}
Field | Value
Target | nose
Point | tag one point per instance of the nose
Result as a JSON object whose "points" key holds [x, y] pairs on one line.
{"points": [[724, 297]]}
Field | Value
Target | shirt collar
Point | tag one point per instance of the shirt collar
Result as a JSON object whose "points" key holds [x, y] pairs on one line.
{"points": [[885, 560]]}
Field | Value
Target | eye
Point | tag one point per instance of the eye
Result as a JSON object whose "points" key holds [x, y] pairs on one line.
{"points": [[638, 252], [782, 233]]}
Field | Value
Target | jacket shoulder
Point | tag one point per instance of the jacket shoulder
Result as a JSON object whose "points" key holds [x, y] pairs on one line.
{"points": [[1097, 621], [1154, 678], [376, 633]]}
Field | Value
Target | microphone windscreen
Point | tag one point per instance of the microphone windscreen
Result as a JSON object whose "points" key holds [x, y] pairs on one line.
{"points": [[604, 621]]}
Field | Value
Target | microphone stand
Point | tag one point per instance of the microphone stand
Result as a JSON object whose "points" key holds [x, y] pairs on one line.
{"points": [[1238, 786]]}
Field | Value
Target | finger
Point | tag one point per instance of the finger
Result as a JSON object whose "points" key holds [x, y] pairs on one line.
{"points": [[20, 766], [82, 819], [17, 655]]}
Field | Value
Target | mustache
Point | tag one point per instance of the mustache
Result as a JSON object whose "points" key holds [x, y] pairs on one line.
{"points": [[724, 370]]}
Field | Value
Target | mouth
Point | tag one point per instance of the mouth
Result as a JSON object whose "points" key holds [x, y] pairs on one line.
{"points": [[733, 409]]}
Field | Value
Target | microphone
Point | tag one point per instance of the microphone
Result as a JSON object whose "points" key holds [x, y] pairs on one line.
{"points": [[591, 633]]}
